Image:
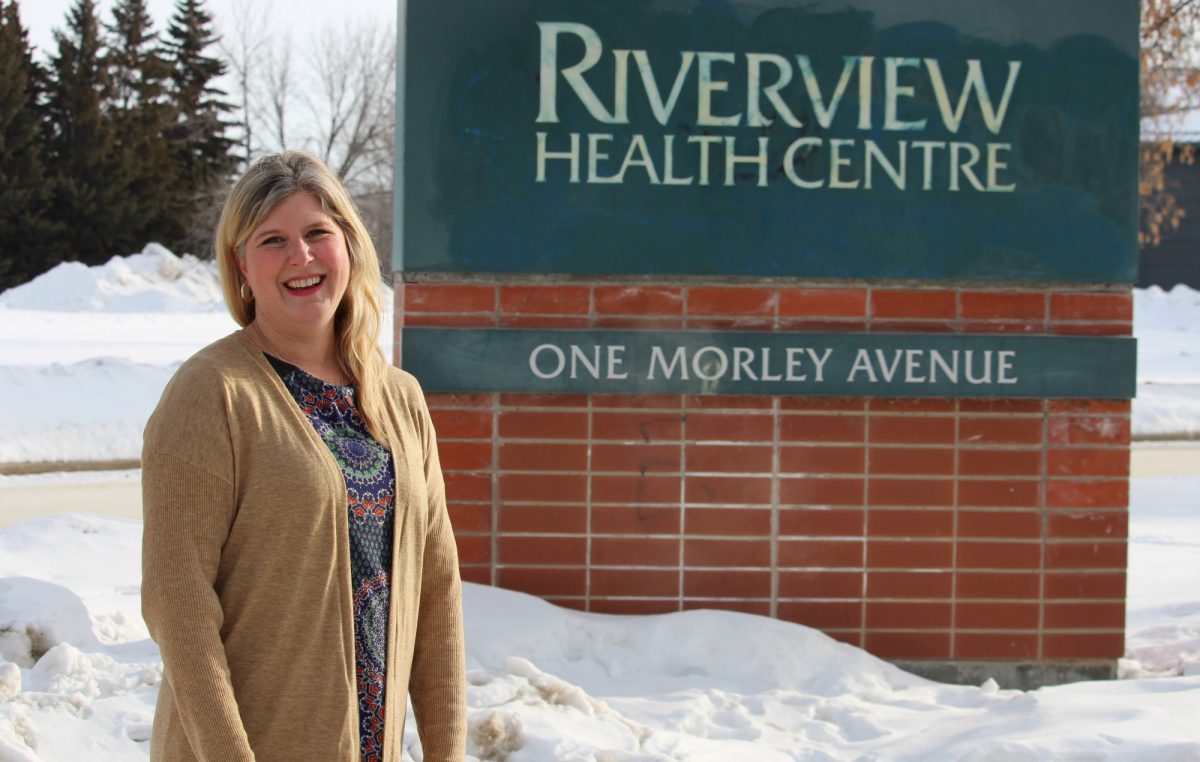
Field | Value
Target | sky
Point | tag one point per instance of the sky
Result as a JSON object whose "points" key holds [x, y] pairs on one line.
{"points": [[42, 17]]}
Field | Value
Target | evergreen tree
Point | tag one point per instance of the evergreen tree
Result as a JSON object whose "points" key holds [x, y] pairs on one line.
{"points": [[203, 153], [24, 187], [141, 116], [89, 201], [136, 68]]}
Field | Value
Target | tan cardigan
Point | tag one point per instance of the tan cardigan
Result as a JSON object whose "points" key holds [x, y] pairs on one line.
{"points": [[246, 574]]}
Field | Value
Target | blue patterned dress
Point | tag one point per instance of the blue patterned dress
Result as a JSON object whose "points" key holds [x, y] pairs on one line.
{"points": [[370, 486]]}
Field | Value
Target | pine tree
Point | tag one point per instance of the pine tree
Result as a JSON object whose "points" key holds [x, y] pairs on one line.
{"points": [[89, 201], [203, 153], [141, 116], [24, 187], [136, 68]]}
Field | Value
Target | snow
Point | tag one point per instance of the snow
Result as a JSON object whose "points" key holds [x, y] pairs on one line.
{"points": [[86, 351], [547, 683], [1162, 615], [1167, 327], [153, 281], [89, 410], [79, 675]]}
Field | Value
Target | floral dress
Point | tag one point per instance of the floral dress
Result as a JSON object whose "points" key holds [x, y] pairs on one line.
{"points": [[370, 489]]}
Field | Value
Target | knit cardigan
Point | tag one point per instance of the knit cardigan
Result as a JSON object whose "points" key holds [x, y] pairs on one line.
{"points": [[246, 574]]}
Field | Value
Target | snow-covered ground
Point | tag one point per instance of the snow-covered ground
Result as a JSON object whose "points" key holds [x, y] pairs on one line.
{"points": [[551, 684], [1167, 327], [79, 677], [86, 351]]}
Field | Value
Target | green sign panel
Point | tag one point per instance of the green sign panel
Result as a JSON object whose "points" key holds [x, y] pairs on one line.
{"points": [[811, 364], [991, 139]]}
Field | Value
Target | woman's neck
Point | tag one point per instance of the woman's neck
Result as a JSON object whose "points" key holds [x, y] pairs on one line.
{"points": [[315, 354]]}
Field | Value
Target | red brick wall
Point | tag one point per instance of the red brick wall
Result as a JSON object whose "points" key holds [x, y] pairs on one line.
{"points": [[918, 529]]}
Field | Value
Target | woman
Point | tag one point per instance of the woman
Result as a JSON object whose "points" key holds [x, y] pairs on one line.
{"points": [[299, 569]]}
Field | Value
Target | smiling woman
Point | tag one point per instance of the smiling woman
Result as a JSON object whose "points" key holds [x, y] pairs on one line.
{"points": [[300, 572], [289, 219], [294, 270]]}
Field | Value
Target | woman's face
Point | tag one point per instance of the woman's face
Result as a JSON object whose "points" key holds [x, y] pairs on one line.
{"points": [[297, 264]]}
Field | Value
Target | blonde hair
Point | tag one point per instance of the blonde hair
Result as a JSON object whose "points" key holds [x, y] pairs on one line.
{"points": [[266, 183]]}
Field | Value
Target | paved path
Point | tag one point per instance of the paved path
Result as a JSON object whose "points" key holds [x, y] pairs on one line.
{"points": [[1165, 459], [112, 493], [119, 493]]}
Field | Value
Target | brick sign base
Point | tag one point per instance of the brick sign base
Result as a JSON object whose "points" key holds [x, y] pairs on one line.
{"points": [[958, 537]]}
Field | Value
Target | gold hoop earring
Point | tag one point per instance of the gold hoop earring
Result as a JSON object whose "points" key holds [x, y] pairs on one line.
{"points": [[246, 293]]}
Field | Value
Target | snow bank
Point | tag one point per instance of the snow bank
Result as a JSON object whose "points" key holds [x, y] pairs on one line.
{"points": [[1175, 311], [36, 338], [1167, 327], [1163, 610], [552, 683], [91, 410], [69, 585], [86, 351], [549, 684], [1166, 411], [153, 281], [96, 558], [36, 617]]}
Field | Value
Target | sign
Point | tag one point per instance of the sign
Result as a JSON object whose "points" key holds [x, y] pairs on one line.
{"points": [[810, 364], [989, 140]]}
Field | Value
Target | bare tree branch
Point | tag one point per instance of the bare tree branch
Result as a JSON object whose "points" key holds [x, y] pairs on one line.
{"points": [[244, 48], [336, 98], [273, 92], [353, 102]]}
